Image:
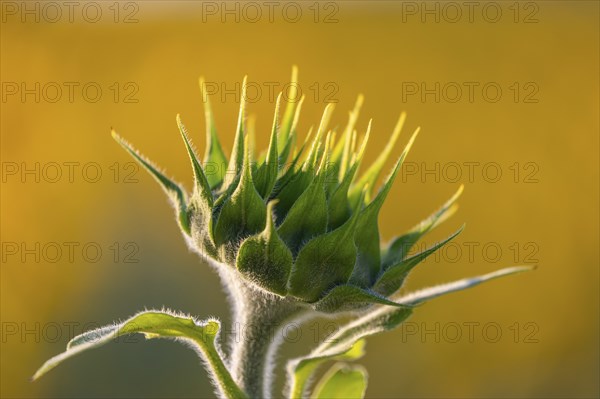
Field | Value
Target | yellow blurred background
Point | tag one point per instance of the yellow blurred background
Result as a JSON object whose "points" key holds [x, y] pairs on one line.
{"points": [[506, 95]]}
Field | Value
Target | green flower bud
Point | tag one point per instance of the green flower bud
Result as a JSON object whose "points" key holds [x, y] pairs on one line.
{"points": [[304, 228]]}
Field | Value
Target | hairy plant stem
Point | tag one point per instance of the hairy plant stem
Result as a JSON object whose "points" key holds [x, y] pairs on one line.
{"points": [[258, 321]]}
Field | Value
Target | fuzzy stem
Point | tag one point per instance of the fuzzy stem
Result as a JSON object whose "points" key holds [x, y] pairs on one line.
{"points": [[258, 321], [221, 376]]}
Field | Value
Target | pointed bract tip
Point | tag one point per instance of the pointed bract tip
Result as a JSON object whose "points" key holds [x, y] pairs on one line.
{"points": [[270, 222], [203, 93], [271, 205], [369, 126], [324, 120], [365, 188], [325, 155], [363, 144], [412, 140], [333, 138], [308, 135], [417, 130], [364, 197], [458, 193], [515, 269]]}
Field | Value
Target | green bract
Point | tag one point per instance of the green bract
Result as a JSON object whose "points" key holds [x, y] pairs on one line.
{"points": [[293, 232], [317, 241]]}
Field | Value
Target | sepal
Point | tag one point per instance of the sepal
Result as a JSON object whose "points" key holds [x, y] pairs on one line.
{"points": [[175, 192], [265, 259]]}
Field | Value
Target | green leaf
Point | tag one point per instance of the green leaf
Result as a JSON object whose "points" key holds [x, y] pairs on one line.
{"points": [[237, 153], [350, 297], [266, 175], [301, 370], [290, 174], [426, 294], [399, 248], [325, 166], [251, 133], [174, 191], [288, 116], [368, 263], [313, 155], [291, 140], [307, 217], [201, 185], [265, 259], [155, 324], [330, 182], [296, 183], [383, 318], [215, 160], [201, 225], [324, 262], [242, 214], [393, 277], [293, 185], [341, 152], [339, 207], [371, 175], [218, 205], [342, 381], [341, 343]]}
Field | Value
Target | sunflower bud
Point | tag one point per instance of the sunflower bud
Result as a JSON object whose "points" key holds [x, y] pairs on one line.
{"points": [[303, 227]]}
